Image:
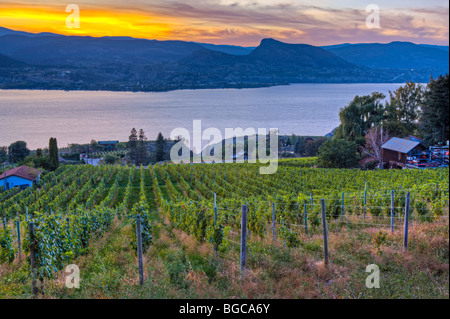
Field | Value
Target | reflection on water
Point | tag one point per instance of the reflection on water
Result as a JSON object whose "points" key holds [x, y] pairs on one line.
{"points": [[79, 116]]}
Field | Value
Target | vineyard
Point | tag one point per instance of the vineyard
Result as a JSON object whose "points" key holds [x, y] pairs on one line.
{"points": [[190, 219]]}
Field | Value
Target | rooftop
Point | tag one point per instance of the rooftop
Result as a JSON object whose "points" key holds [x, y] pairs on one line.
{"points": [[23, 171], [400, 145]]}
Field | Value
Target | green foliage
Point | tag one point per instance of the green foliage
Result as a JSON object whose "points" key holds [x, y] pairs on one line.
{"points": [[7, 251], [338, 154], [434, 120], [359, 116], [17, 151]]}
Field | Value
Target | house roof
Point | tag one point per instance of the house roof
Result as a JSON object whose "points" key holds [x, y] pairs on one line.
{"points": [[23, 172], [400, 145], [107, 142]]}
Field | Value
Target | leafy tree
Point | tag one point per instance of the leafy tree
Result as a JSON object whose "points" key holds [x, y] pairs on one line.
{"points": [[111, 159], [18, 151], [312, 147], [160, 144], [359, 116], [39, 152], [39, 162], [434, 121], [300, 146], [3, 154], [93, 145], [338, 153], [132, 144], [403, 109]]}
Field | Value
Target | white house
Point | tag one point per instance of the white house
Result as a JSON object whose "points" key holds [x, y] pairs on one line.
{"points": [[22, 176]]}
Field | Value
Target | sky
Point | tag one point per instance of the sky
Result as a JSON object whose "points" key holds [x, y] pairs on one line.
{"points": [[238, 22]]}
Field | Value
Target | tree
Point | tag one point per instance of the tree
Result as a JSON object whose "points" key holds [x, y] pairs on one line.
{"points": [[39, 152], [132, 144], [312, 147], [53, 152], [18, 151], [375, 138], [111, 159], [160, 144], [403, 109], [3, 154], [141, 149], [93, 145], [434, 120], [338, 153], [359, 116]]}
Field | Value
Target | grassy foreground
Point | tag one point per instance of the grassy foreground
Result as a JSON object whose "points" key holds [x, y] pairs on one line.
{"points": [[177, 266]]}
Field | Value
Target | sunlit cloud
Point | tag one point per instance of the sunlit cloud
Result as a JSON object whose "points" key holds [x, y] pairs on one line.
{"points": [[241, 22]]}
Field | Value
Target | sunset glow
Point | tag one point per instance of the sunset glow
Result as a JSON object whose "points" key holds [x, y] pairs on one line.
{"points": [[235, 22]]}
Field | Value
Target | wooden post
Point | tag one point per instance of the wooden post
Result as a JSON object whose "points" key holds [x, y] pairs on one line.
{"points": [[325, 231], [365, 200], [343, 204], [139, 248], [18, 236], [392, 211], [405, 236], [215, 210], [34, 288], [243, 240], [26, 213], [273, 222], [306, 219]]}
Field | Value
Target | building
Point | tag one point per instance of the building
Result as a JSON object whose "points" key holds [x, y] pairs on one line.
{"points": [[22, 176], [401, 152], [109, 145]]}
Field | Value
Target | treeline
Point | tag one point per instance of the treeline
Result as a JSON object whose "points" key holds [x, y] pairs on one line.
{"points": [[18, 153], [367, 122]]}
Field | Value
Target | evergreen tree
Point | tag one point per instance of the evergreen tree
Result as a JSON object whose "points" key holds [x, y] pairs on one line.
{"points": [[53, 152], [434, 120], [141, 149], [160, 143], [132, 145]]}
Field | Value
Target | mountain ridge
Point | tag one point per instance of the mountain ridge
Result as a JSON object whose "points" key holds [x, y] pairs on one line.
{"points": [[124, 63]]}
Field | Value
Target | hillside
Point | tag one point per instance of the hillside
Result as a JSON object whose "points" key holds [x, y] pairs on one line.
{"points": [[399, 55], [128, 64]]}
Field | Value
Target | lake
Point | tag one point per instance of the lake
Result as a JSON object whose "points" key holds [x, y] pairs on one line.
{"points": [[79, 116]]}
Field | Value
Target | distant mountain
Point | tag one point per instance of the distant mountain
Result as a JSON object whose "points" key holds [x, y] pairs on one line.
{"points": [[275, 52], [79, 51], [50, 61], [8, 62], [229, 49], [5, 31], [395, 55], [441, 47]]}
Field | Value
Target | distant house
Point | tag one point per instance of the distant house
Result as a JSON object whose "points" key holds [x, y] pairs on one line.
{"points": [[22, 176], [109, 145], [397, 151]]}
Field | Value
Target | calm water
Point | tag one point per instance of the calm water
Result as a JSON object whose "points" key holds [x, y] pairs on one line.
{"points": [[79, 116]]}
